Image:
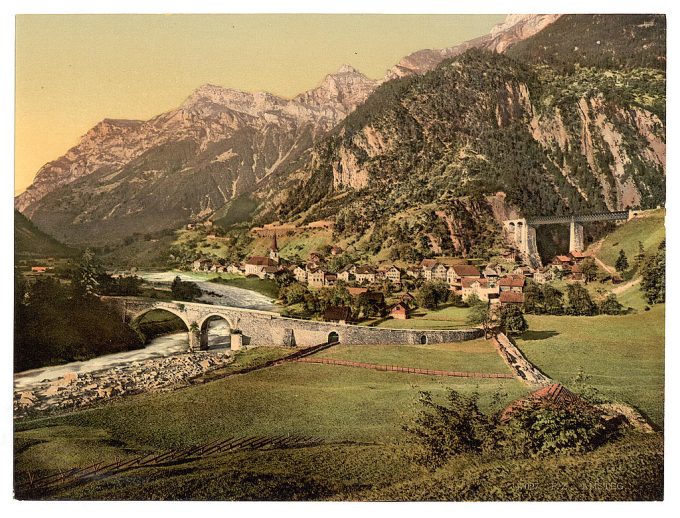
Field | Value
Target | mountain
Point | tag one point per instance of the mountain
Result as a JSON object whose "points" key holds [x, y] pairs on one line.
{"points": [[546, 114], [142, 176], [515, 28], [30, 241], [436, 160], [131, 176]]}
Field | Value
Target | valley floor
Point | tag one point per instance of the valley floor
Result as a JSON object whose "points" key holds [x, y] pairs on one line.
{"points": [[358, 415]]}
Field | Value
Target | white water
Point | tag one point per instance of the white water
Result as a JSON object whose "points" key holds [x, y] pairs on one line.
{"points": [[167, 345], [224, 295]]}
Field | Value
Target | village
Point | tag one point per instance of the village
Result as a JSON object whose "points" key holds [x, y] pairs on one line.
{"points": [[497, 284]]}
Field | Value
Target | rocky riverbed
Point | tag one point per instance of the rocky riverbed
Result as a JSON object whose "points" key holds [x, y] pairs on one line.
{"points": [[77, 390]]}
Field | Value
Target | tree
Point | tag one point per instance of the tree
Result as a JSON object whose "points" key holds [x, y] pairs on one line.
{"points": [[187, 291], [87, 275], [431, 294], [611, 306], [512, 320], [640, 256], [653, 282], [589, 269], [621, 262], [580, 302], [480, 315]]}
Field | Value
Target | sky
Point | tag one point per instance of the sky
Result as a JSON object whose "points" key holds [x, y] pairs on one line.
{"points": [[74, 70]]}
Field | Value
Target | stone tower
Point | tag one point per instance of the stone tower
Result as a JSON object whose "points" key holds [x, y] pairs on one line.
{"points": [[274, 250]]}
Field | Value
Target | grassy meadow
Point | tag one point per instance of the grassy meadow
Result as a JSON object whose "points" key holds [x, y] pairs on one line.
{"points": [[621, 356]]}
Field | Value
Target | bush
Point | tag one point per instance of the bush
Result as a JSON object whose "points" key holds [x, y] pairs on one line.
{"points": [[443, 431]]}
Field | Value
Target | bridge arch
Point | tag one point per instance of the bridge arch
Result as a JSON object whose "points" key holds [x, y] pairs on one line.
{"points": [[138, 316], [223, 339]]}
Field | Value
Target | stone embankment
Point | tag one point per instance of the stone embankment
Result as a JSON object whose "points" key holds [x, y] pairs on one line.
{"points": [[523, 369], [74, 391]]}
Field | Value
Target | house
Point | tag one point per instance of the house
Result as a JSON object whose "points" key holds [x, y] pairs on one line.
{"points": [[201, 265], [527, 271], [393, 274], [511, 297], [347, 273], [365, 274], [427, 268], [457, 272], [399, 311], [300, 274], [577, 257], [315, 278], [491, 271], [439, 272], [338, 314], [543, 275], [513, 283], [235, 268], [329, 279], [576, 273], [39, 269], [483, 289], [315, 257], [561, 262], [257, 264]]}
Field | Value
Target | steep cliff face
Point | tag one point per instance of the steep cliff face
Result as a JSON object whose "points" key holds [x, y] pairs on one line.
{"points": [[550, 142]]}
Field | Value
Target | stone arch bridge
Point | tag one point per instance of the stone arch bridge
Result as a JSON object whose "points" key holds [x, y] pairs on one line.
{"points": [[522, 231], [253, 327]]}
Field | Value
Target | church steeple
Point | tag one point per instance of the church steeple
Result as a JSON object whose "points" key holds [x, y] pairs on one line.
{"points": [[274, 250]]}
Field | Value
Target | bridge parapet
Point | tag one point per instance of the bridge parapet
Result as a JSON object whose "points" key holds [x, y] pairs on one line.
{"points": [[268, 328]]}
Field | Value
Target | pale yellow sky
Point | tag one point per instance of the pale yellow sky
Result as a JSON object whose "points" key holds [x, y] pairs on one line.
{"points": [[74, 70]]}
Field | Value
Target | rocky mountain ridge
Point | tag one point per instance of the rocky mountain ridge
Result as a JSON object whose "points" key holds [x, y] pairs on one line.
{"points": [[128, 176]]}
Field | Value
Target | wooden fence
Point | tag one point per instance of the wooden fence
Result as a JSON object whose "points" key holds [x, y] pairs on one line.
{"points": [[409, 370]]}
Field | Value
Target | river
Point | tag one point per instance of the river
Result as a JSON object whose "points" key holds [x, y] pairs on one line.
{"points": [[166, 345]]}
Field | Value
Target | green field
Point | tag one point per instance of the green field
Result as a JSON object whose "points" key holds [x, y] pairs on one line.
{"points": [[446, 317], [472, 356], [623, 356], [649, 230], [266, 287]]}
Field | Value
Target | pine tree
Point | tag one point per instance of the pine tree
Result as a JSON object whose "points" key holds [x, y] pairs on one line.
{"points": [[87, 275], [621, 262], [653, 282]]}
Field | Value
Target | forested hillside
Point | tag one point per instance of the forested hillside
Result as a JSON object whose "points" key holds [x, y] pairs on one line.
{"points": [[438, 147]]}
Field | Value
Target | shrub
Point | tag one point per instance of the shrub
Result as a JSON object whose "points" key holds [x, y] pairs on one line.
{"points": [[443, 431]]}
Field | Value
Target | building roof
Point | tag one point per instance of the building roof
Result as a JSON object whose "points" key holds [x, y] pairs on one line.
{"points": [[563, 258], [346, 268], [554, 395], [337, 313], [354, 292], [511, 297], [258, 260], [514, 281], [428, 263], [467, 282], [465, 270], [400, 306], [330, 276], [364, 269], [578, 255]]}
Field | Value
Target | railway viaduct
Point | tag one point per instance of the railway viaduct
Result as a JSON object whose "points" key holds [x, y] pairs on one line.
{"points": [[252, 327], [523, 231]]}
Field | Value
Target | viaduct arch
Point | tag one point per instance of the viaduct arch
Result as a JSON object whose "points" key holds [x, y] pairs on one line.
{"points": [[522, 231], [253, 327]]}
